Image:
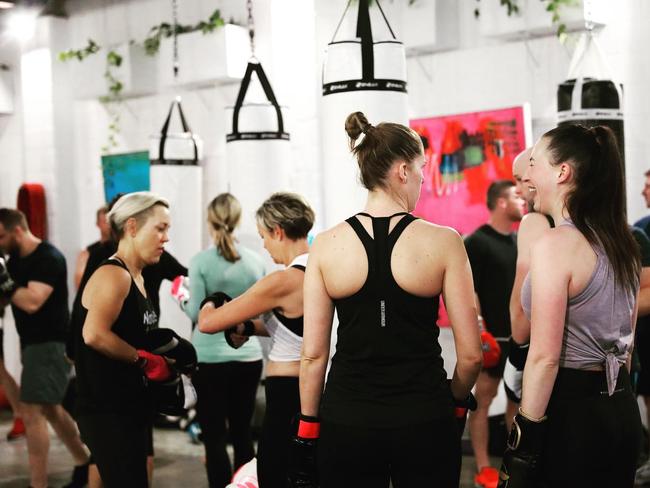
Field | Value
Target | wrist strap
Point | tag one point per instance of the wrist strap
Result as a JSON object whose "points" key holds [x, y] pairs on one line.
{"points": [[308, 427]]}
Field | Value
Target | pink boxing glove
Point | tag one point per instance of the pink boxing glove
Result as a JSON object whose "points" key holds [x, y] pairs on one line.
{"points": [[181, 290]]}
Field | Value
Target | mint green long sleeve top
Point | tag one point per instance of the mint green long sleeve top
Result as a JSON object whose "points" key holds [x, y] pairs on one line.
{"points": [[211, 272]]}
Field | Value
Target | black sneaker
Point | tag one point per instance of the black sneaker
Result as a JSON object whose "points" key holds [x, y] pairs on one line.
{"points": [[79, 477]]}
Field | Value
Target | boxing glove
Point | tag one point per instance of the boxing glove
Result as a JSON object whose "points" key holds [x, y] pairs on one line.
{"points": [[461, 408], [217, 299], [153, 366], [520, 464], [249, 330], [166, 342], [7, 284], [491, 350], [181, 290], [513, 372], [302, 471]]}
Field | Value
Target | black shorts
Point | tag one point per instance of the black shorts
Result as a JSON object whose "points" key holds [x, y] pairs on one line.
{"points": [[642, 349], [497, 371]]}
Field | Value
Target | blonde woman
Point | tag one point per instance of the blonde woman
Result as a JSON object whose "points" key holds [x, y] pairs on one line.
{"points": [[227, 378], [283, 221], [113, 406]]}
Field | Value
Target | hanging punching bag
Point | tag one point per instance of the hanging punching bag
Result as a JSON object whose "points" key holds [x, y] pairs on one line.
{"points": [[363, 74], [258, 153], [176, 175], [589, 97]]}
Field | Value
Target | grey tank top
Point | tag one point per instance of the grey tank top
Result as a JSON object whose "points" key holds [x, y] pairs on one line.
{"points": [[598, 322]]}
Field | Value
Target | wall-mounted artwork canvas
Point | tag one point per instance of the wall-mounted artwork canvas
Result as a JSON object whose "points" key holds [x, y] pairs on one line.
{"points": [[465, 153], [125, 173]]}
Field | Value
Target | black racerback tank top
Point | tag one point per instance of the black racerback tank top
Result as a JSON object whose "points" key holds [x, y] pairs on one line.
{"points": [[387, 370], [106, 385]]}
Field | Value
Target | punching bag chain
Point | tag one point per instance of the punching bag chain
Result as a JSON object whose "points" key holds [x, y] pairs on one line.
{"points": [[175, 33], [251, 26]]}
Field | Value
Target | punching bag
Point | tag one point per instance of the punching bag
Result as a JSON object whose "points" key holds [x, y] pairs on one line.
{"points": [[258, 153], [360, 73], [175, 175], [31, 202], [589, 96]]}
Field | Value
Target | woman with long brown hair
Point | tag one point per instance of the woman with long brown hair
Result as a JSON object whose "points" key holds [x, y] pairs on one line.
{"points": [[578, 420]]}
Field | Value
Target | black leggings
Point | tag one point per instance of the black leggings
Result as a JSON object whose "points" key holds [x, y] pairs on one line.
{"points": [[226, 391], [282, 406], [417, 455], [592, 438], [119, 445]]}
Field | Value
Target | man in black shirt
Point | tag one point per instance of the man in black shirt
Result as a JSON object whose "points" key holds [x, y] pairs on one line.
{"points": [[34, 283], [104, 235], [492, 252]]}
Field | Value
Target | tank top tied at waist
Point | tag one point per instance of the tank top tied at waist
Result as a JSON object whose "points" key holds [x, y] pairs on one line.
{"points": [[598, 323], [387, 370]]}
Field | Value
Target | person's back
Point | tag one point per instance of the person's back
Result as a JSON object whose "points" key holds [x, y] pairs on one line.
{"points": [[387, 412], [209, 273], [387, 304]]}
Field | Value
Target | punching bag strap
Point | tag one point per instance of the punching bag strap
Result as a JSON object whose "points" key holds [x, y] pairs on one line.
{"points": [[364, 32], [165, 129], [270, 96]]}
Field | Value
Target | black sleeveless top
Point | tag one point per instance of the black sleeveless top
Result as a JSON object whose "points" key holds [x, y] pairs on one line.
{"points": [[387, 370], [106, 385]]}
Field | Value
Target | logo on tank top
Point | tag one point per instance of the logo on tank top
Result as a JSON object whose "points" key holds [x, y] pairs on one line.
{"points": [[382, 311], [149, 318]]}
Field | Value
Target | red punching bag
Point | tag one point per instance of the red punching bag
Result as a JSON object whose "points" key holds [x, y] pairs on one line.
{"points": [[31, 202]]}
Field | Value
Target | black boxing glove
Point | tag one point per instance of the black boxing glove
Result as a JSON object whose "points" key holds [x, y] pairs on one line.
{"points": [[7, 285], [461, 408], [513, 371], [302, 472], [249, 330], [520, 464], [217, 299]]}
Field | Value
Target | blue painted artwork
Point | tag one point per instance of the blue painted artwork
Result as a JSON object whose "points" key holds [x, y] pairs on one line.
{"points": [[125, 173]]}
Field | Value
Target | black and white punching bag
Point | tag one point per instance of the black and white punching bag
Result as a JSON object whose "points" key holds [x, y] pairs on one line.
{"points": [[589, 96], [175, 174], [258, 151], [360, 73]]}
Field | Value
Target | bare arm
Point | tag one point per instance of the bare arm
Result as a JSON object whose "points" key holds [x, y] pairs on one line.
{"points": [[263, 296], [80, 267], [103, 298], [531, 229], [458, 292], [549, 303], [319, 312], [31, 298]]}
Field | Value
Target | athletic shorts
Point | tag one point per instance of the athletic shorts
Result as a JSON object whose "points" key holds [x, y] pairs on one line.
{"points": [[45, 373]]}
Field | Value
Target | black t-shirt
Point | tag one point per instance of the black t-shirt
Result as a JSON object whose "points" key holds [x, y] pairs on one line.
{"points": [[493, 257], [107, 385], [45, 265]]}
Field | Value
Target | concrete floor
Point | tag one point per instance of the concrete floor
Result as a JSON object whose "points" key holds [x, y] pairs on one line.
{"points": [[178, 462]]}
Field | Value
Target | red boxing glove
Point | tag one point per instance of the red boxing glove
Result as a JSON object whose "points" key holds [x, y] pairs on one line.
{"points": [[491, 350], [155, 367]]}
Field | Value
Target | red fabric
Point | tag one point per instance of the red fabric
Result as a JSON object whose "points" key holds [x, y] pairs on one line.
{"points": [[460, 412], [155, 368], [308, 430], [491, 350], [31, 202]]}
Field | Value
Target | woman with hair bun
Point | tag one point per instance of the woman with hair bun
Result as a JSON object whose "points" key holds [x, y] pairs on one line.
{"points": [[387, 412], [113, 406], [578, 422], [226, 379]]}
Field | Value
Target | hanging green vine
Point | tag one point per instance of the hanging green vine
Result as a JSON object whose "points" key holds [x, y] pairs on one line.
{"points": [[151, 44], [80, 54], [552, 6]]}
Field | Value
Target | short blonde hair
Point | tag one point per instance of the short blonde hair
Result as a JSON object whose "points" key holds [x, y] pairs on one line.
{"points": [[137, 205], [224, 213], [289, 211]]}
